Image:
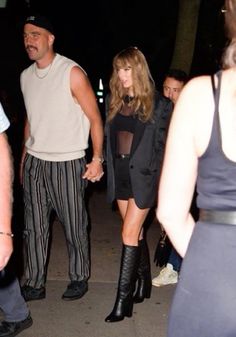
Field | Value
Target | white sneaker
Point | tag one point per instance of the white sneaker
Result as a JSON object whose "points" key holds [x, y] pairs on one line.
{"points": [[167, 276]]}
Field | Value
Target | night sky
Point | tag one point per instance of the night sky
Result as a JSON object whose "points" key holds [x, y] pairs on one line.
{"points": [[93, 34]]}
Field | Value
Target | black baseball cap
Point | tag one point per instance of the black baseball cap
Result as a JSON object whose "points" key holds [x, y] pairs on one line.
{"points": [[40, 21]]}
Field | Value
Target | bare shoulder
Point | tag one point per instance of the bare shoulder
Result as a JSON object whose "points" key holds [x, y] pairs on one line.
{"points": [[79, 79], [197, 94], [198, 85], [78, 71]]}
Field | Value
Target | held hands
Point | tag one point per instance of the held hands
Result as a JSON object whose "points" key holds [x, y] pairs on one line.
{"points": [[6, 248], [94, 171]]}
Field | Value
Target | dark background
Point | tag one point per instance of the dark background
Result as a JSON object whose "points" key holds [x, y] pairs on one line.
{"points": [[94, 33]]}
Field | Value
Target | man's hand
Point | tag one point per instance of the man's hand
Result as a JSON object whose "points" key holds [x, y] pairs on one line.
{"points": [[94, 171]]}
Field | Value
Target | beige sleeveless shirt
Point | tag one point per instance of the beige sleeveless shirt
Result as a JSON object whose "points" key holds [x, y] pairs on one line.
{"points": [[59, 128]]}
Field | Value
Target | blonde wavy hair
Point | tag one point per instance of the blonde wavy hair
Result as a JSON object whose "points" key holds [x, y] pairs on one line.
{"points": [[143, 84], [229, 56]]}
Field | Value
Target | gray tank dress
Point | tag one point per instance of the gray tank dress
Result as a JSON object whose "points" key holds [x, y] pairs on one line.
{"points": [[204, 303]]}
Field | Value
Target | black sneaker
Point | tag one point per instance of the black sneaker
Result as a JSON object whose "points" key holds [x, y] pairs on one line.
{"points": [[10, 329], [30, 294], [75, 290]]}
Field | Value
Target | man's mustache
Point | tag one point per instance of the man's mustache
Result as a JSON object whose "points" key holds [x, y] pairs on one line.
{"points": [[28, 47]]}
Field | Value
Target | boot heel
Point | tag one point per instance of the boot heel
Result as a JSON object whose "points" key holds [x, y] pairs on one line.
{"points": [[143, 290], [148, 292], [129, 310]]}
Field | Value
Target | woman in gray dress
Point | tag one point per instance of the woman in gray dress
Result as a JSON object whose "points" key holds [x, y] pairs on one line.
{"points": [[201, 148]]}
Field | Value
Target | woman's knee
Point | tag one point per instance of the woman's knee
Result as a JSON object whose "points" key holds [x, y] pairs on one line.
{"points": [[130, 237]]}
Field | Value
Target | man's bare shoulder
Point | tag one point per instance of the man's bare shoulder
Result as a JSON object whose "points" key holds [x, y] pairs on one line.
{"points": [[77, 70]]}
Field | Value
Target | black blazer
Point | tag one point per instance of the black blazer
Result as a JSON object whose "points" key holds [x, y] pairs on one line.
{"points": [[146, 154]]}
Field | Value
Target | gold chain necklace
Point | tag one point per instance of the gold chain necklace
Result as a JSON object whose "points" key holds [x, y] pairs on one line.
{"points": [[47, 72]]}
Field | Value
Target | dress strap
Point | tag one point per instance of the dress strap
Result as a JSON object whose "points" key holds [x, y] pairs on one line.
{"points": [[216, 131], [216, 90]]}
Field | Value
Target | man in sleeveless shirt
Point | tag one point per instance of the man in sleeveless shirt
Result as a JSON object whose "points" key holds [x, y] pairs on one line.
{"points": [[61, 114]]}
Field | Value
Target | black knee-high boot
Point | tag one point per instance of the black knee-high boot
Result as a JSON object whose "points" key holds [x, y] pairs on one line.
{"points": [[144, 279], [128, 270]]}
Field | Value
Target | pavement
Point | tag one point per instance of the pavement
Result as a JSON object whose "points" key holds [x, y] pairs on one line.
{"points": [[54, 317]]}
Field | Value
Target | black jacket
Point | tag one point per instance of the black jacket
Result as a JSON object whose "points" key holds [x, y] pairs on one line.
{"points": [[146, 154]]}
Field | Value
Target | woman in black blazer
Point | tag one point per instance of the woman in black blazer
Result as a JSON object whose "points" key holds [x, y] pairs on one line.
{"points": [[137, 121]]}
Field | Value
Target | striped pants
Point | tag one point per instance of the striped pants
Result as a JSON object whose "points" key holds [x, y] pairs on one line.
{"points": [[54, 186]]}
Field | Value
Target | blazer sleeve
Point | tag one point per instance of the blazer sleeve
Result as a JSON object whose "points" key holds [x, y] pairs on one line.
{"points": [[165, 109], [106, 133]]}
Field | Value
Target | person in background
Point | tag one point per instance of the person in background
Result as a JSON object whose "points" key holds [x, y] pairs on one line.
{"points": [[135, 128], [173, 84], [204, 302], [15, 310], [62, 112]]}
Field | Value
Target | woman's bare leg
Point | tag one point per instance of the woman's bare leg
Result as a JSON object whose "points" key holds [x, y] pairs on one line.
{"points": [[133, 219], [122, 205]]}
